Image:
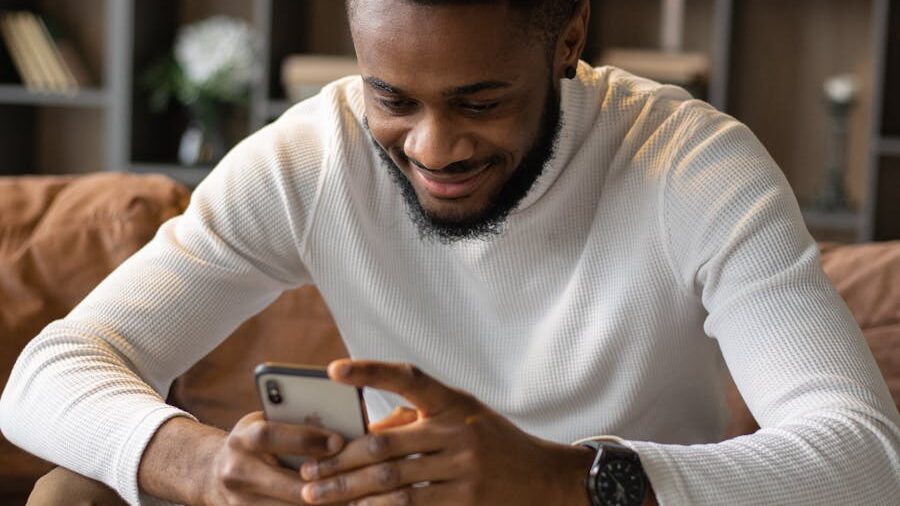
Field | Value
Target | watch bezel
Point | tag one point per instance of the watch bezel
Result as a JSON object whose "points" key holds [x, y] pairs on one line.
{"points": [[607, 454]]}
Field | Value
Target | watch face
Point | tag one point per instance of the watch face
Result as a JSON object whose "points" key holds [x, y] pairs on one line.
{"points": [[621, 483]]}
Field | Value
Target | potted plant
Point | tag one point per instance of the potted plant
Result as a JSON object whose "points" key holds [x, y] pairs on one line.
{"points": [[209, 72]]}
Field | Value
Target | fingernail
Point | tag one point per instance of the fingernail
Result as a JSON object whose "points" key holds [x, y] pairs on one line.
{"points": [[344, 369], [335, 443], [310, 470], [311, 492]]}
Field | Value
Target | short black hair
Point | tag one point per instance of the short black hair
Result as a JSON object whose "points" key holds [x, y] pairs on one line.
{"points": [[544, 18]]}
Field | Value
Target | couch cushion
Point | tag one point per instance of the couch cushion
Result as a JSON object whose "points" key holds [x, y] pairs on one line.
{"points": [[885, 344], [59, 237], [868, 278]]}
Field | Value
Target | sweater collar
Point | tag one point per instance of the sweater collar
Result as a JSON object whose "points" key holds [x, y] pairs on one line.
{"points": [[577, 117]]}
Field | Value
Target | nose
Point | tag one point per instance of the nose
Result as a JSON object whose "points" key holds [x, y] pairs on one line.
{"points": [[436, 142]]}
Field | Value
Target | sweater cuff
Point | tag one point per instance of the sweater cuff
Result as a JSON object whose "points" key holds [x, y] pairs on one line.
{"points": [[130, 458], [660, 470]]}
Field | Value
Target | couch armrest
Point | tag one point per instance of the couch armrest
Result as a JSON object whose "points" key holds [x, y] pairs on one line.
{"points": [[59, 237]]}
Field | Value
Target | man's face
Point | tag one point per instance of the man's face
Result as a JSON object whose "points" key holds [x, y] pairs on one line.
{"points": [[462, 107]]}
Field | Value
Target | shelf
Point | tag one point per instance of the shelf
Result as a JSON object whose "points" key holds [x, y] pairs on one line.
{"points": [[275, 108], [889, 146], [843, 221], [188, 176], [19, 95], [886, 225]]}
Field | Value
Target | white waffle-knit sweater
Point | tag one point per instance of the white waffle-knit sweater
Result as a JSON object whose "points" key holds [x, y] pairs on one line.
{"points": [[660, 239]]}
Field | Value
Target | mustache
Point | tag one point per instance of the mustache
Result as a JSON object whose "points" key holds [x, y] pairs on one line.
{"points": [[460, 167], [454, 168]]}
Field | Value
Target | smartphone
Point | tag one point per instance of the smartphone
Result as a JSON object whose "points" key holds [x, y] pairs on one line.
{"points": [[305, 395]]}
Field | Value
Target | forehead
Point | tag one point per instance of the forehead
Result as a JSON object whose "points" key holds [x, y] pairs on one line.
{"points": [[414, 46]]}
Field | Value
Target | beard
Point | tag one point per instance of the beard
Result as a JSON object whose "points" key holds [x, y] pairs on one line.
{"points": [[489, 223]]}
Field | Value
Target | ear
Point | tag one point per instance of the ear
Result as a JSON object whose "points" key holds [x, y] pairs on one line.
{"points": [[572, 39]]}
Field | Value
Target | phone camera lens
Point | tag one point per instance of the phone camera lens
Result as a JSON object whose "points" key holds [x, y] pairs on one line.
{"points": [[273, 392]]}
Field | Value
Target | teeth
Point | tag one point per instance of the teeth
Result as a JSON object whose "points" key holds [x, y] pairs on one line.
{"points": [[436, 176]]}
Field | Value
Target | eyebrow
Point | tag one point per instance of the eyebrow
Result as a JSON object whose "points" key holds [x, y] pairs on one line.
{"points": [[467, 89], [383, 86], [471, 89]]}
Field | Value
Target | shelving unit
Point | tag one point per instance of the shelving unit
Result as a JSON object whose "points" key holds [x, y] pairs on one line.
{"points": [[889, 146], [281, 30], [16, 94], [881, 214], [705, 27], [190, 176], [840, 226], [768, 59], [120, 133], [48, 132]]}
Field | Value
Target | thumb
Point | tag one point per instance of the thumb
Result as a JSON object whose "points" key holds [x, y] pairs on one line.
{"points": [[399, 417]]}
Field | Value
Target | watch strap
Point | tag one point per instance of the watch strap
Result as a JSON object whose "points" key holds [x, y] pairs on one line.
{"points": [[607, 452]]}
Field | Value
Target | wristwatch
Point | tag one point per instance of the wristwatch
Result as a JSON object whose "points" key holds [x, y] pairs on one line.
{"points": [[616, 478]]}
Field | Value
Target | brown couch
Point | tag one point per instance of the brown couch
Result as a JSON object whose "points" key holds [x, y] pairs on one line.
{"points": [[59, 236]]}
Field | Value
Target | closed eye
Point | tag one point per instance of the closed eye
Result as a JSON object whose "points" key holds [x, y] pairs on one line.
{"points": [[479, 107], [396, 105]]}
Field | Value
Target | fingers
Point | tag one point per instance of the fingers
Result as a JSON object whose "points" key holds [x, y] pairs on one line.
{"points": [[383, 477], [254, 433], [431, 495], [376, 447], [424, 392], [256, 500], [399, 417], [245, 470], [253, 477]]}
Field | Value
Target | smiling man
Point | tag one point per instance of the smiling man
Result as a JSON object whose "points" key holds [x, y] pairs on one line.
{"points": [[522, 252], [464, 146]]}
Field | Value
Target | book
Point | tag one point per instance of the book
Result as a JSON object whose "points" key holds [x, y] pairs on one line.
{"points": [[45, 63], [61, 79], [53, 77], [16, 42], [68, 57]]}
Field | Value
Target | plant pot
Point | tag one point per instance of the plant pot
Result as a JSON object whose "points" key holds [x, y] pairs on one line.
{"points": [[201, 144]]}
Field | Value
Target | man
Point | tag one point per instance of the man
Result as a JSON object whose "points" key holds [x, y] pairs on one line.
{"points": [[550, 243]]}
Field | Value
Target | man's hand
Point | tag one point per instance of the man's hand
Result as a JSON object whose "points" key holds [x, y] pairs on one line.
{"points": [[244, 470], [190, 463], [465, 452]]}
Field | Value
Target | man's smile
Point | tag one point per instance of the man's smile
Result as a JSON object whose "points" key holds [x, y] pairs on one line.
{"points": [[451, 186]]}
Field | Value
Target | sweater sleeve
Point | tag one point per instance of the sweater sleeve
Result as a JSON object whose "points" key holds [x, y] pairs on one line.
{"points": [[88, 392], [829, 428]]}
